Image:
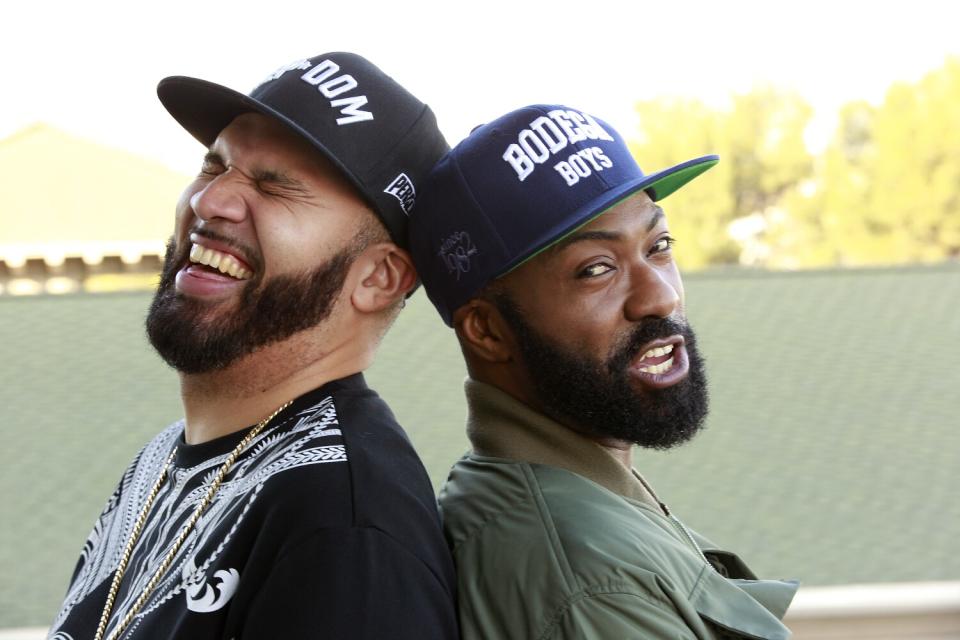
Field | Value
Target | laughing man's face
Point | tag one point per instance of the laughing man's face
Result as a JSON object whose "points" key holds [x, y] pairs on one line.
{"points": [[264, 237]]}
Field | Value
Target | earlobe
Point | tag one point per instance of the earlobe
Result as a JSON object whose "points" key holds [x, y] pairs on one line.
{"points": [[386, 274], [482, 331]]}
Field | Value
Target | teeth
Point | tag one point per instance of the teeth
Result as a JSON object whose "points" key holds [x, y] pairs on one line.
{"points": [[222, 262], [658, 368], [658, 351]]}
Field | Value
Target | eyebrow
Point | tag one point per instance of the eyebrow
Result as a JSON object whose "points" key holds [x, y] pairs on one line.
{"points": [[657, 216], [599, 234], [585, 236]]}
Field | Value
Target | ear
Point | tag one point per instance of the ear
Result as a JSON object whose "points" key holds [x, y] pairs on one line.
{"points": [[385, 273], [483, 332]]}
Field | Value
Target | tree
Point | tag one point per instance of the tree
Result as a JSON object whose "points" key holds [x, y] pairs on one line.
{"points": [[888, 185], [759, 138], [914, 202]]}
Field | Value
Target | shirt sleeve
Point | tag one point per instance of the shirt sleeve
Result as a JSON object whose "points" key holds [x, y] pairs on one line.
{"points": [[351, 582], [621, 615]]}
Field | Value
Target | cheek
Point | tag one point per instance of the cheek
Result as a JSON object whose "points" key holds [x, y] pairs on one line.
{"points": [[184, 212], [582, 328], [581, 321], [288, 247], [677, 282]]}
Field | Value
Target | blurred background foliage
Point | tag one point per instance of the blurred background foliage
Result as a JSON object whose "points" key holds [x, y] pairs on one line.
{"points": [[884, 190]]}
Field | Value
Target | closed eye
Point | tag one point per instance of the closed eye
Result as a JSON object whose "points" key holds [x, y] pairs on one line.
{"points": [[278, 184], [212, 165]]}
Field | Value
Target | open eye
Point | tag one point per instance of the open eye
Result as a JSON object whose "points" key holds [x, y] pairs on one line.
{"points": [[595, 269], [662, 245]]}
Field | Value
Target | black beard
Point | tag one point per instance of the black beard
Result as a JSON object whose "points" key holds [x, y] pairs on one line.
{"points": [[596, 398], [193, 339]]}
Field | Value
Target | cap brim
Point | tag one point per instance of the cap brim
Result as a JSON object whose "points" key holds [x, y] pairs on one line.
{"points": [[658, 186], [661, 184], [205, 109]]}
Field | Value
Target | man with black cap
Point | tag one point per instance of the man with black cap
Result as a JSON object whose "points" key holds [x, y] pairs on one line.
{"points": [[288, 503], [539, 240]]}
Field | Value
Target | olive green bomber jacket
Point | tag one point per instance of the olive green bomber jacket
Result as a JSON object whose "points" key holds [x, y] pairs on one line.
{"points": [[553, 538]]}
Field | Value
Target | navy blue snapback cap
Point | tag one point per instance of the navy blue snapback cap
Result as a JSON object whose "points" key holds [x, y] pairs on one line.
{"points": [[516, 186], [377, 133]]}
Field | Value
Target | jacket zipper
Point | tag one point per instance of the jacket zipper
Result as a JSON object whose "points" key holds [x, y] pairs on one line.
{"points": [[679, 526], [685, 533]]}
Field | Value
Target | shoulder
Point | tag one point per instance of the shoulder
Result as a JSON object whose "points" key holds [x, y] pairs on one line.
{"points": [[340, 452], [489, 497], [543, 552], [382, 461], [590, 549], [381, 484], [483, 493]]}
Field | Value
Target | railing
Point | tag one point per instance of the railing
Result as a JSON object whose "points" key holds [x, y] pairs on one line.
{"points": [[900, 611]]}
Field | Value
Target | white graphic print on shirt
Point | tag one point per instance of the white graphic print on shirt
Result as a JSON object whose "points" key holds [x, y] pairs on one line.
{"points": [[274, 451]]}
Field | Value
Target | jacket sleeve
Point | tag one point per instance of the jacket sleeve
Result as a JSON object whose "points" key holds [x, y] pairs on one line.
{"points": [[351, 582], [621, 615]]}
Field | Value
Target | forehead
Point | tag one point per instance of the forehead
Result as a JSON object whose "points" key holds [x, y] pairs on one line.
{"points": [[263, 144], [630, 220], [635, 213], [255, 135]]}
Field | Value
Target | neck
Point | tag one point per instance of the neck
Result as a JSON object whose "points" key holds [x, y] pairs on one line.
{"points": [[517, 384], [501, 425], [619, 450], [224, 401]]}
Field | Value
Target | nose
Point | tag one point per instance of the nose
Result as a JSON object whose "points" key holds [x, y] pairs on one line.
{"points": [[220, 198], [655, 292]]}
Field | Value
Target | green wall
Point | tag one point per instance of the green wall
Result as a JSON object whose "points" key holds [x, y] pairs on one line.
{"points": [[830, 454]]}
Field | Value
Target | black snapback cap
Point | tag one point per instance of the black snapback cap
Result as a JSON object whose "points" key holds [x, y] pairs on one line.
{"points": [[376, 132]]}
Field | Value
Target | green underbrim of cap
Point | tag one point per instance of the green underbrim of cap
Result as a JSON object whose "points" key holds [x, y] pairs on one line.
{"points": [[658, 186]]}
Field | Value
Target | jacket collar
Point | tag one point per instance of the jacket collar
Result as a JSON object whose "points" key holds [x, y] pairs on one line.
{"points": [[501, 426]]}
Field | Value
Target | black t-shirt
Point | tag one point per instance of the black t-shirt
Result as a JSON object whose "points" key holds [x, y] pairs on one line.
{"points": [[325, 527]]}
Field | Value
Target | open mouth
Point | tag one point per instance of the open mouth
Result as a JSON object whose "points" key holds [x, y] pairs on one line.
{"points": [[656, 360], [212, 272], [663, 363], [219, 261]]}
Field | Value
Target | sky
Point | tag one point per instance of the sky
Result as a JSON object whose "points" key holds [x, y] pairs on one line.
{"points": [[91, 68]]}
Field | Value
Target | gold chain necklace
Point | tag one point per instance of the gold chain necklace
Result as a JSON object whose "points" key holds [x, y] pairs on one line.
{"points": [[168, 559]]}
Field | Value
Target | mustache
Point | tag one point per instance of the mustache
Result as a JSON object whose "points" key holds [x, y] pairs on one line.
{"points": [[641, 335]]}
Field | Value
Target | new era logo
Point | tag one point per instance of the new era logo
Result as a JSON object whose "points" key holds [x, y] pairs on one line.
{"points": [[402, 189]]}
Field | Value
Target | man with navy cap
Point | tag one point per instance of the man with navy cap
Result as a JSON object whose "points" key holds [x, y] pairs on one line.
{"points": [[288, 503], [540, 241]]}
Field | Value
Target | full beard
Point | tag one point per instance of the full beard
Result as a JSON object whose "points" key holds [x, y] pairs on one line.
{"points": [[193, 336], [597, 398]]}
